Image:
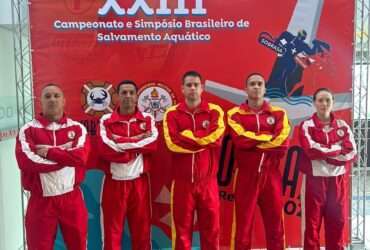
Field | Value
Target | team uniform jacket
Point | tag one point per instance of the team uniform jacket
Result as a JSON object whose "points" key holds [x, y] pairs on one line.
{"points": [[192, 137], [123, 155], [259, 137], [330, 149], [64, 166]]}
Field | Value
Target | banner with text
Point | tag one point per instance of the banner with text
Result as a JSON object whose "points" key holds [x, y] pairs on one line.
{"points": [[88, 46]]}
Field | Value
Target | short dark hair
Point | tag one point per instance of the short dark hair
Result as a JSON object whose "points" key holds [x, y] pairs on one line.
{"points": [[126, 82], [51, 84], [253, 74], [191, 73], [320, 90]]}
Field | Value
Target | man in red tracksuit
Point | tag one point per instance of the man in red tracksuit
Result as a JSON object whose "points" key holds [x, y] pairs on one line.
{"points": [[51, 151], [127, 137], [192, 131], [329, 150], [260, 135]]}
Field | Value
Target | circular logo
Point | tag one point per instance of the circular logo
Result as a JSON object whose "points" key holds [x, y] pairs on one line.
{"points": [[205, 124], [270, 120], [71, 134], [340, 132], [155, 98], [98, 98]]}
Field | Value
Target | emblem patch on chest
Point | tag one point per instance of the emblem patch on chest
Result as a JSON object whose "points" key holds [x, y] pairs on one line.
{"points": [[71, 134], [270, 120], [205, 124], [340, 132]]}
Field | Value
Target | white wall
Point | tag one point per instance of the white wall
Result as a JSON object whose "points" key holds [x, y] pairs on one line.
{"points": [[11, 226], [5, 11], [8, 104]]}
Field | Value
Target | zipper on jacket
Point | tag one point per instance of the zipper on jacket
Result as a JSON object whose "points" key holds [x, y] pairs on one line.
{"points": [[127, 123], [193, 154], [55, 144], [258, 130], [326, 130], [128, 128], [327, 138], [258, 122], [54, 137], [261, 162]]}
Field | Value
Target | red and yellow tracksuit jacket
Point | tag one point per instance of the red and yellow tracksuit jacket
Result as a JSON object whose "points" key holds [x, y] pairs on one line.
{"points": [[192, 137]]}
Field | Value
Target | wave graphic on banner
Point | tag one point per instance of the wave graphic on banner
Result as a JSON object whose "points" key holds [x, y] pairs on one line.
{"points": [[298, 108], [293, 100]]}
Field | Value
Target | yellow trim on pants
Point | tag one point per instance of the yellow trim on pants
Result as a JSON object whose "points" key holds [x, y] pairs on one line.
{"points": [[173, 228], [233, 225]]}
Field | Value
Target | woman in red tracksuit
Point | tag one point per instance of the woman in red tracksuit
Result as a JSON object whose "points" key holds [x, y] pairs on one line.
{"points": [[329, 149]]}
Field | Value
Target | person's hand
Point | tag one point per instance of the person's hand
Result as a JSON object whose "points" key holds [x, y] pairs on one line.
{"points": [[142, 136], [42, 151], [147, 134]]}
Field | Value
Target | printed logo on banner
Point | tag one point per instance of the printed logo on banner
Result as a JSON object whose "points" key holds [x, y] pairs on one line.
{"points": [[155, 98], [98, 98], [294, 55]]}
